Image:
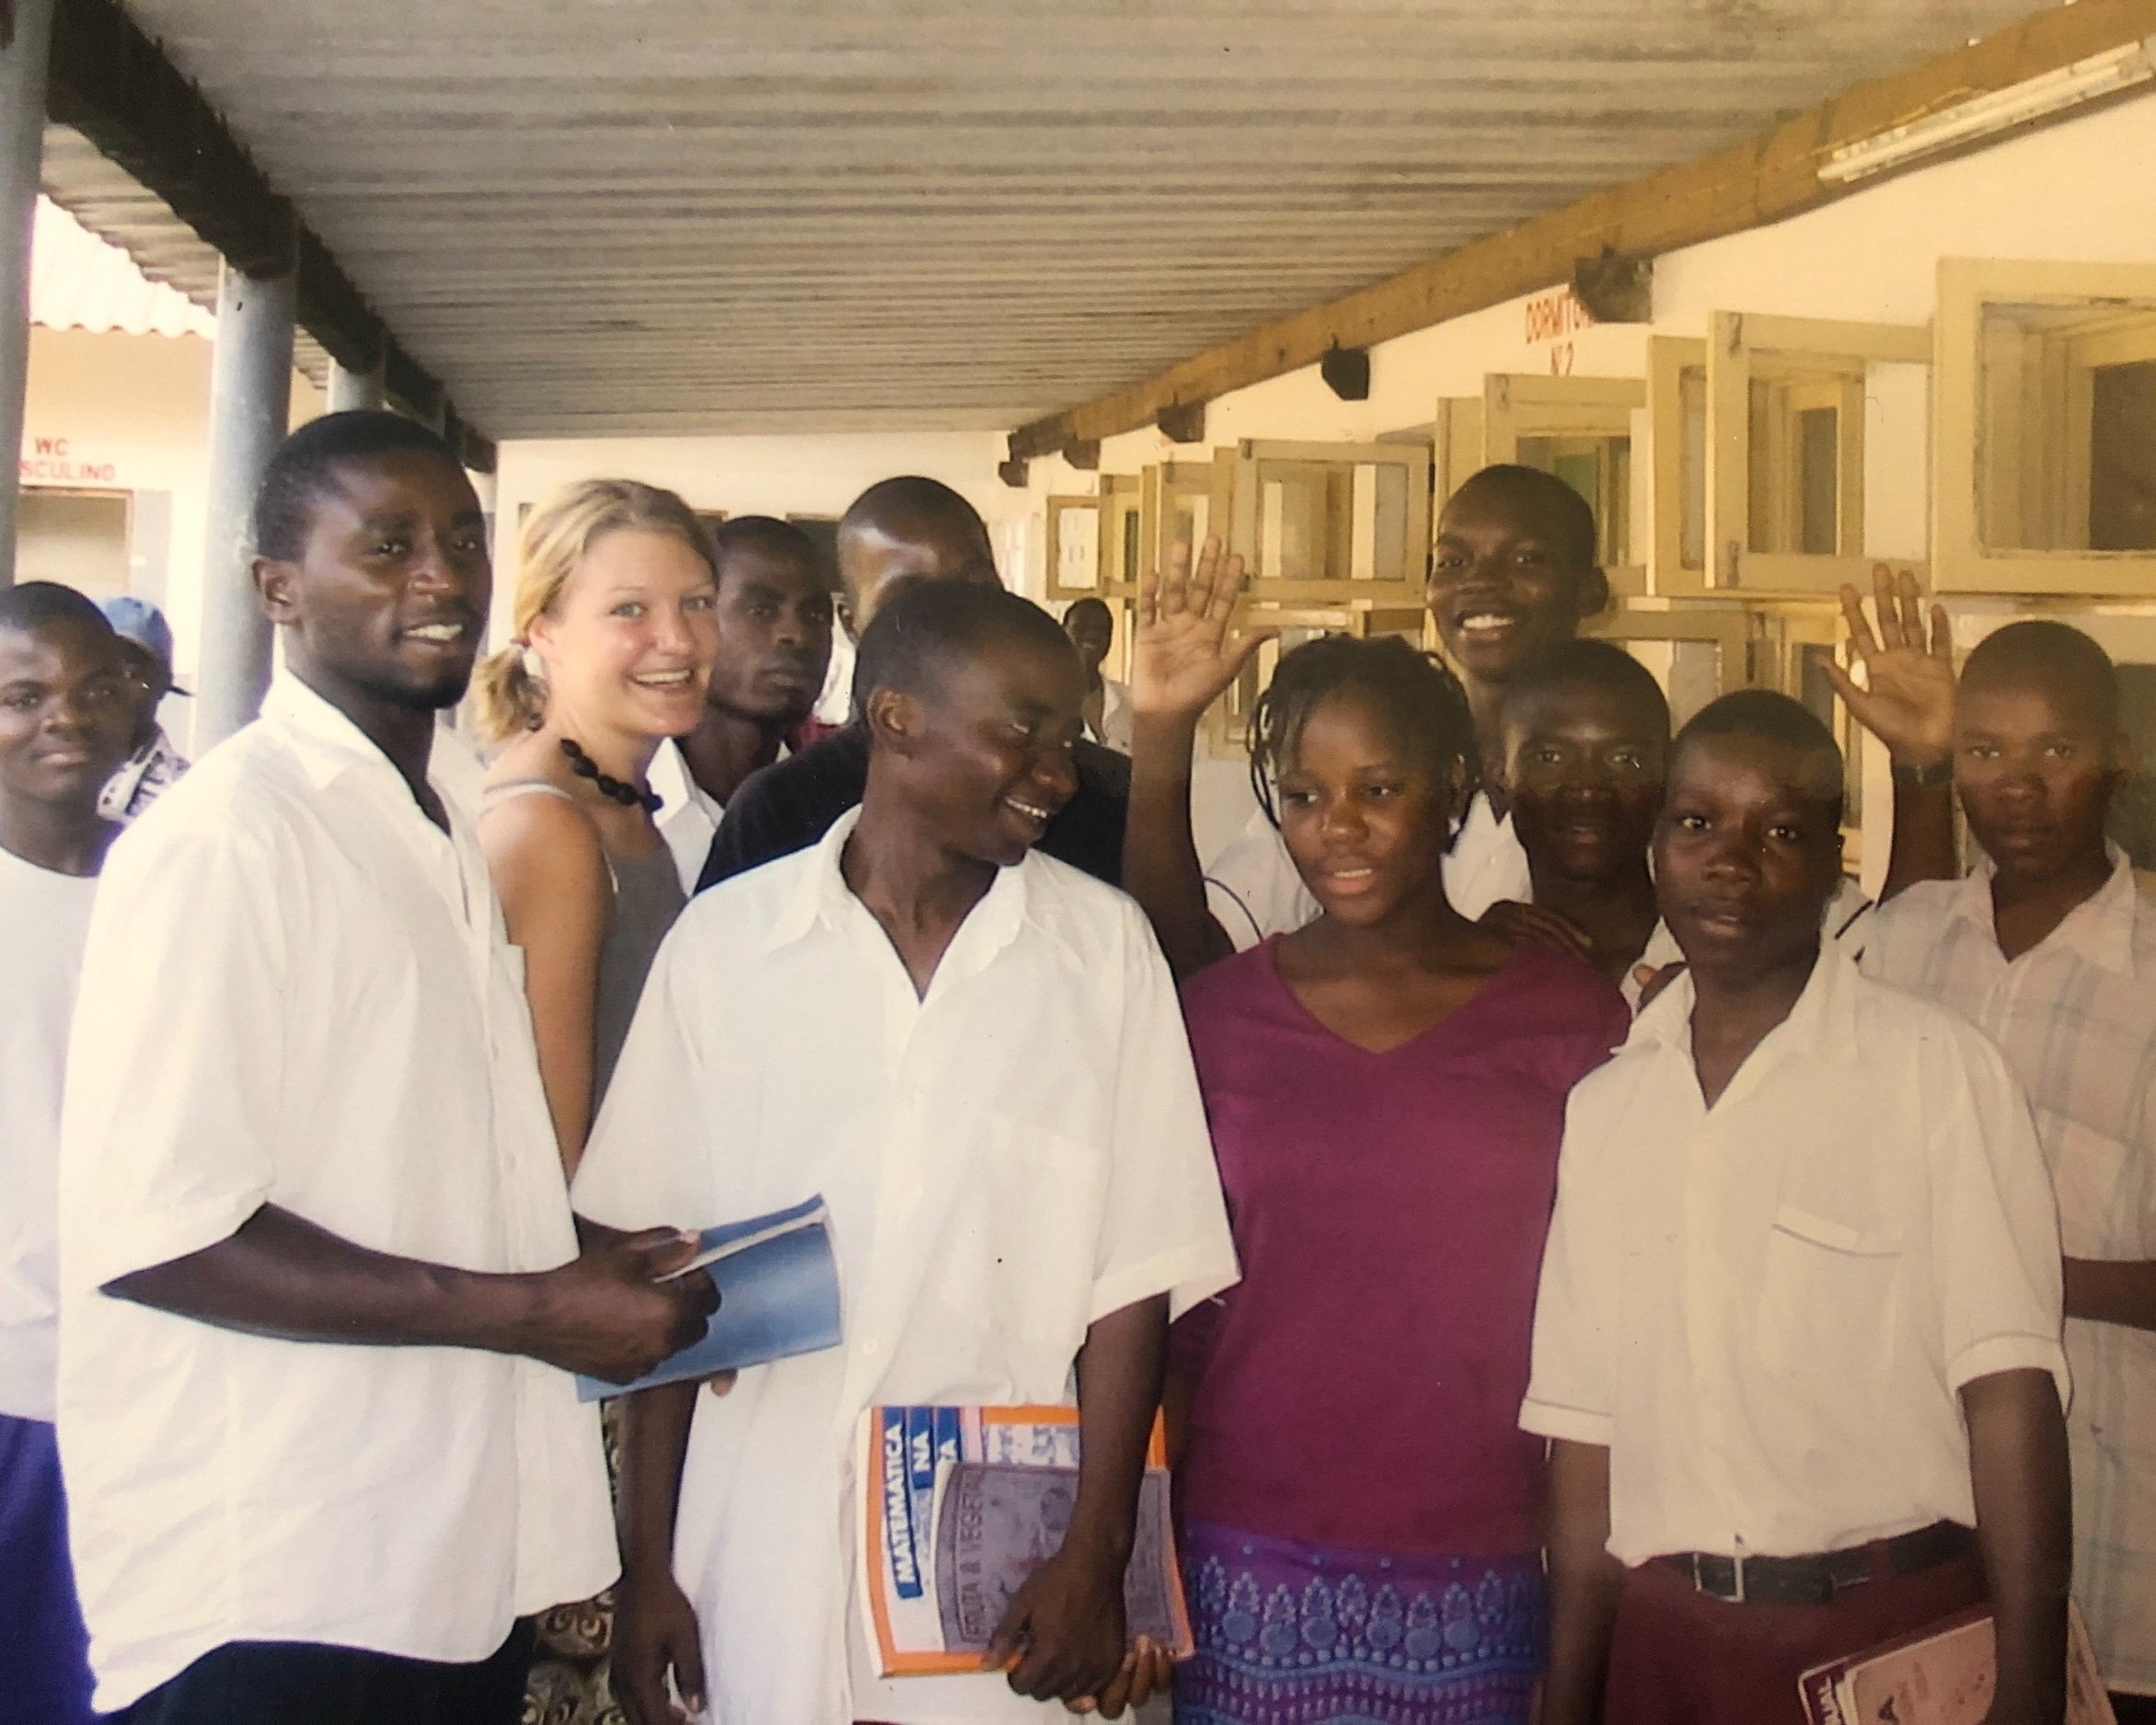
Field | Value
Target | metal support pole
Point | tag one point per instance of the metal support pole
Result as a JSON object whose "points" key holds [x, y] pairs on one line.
{"points": [[354, 389], [24, 51], [250, 407]]}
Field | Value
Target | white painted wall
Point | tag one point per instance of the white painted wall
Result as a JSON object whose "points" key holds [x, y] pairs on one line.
{"points": [[128, 413]]}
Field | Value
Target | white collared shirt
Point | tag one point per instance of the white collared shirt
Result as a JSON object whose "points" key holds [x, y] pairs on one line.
{"points": [[1019, 1153], [1254, 892], [1764, 1310], [2075, 1018], [44, 919], [296, 991], [688, 814]]}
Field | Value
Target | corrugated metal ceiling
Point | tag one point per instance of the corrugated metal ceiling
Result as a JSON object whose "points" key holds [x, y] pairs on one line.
{"points": [[651, 216]]}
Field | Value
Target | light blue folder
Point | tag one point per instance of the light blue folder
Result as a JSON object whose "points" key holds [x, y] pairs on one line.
{"points": [[777, 1297]]}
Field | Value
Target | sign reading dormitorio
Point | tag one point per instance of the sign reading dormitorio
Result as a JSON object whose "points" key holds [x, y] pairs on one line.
{"points": [[56, 460]]}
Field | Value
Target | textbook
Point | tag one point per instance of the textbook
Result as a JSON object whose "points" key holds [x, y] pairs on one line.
{"points": [[959, 1505], [1943, 1675], [778, 1295]]}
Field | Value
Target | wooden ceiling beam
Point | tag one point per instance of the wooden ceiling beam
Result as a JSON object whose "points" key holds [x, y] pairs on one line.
{"points": [[1765, 179], [114, 83]]}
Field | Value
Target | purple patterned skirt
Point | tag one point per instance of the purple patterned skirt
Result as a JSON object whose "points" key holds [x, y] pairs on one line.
{"points": [[1289, 1634]]}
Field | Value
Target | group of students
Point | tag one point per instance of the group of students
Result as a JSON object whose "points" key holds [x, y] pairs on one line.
{"points": [[1507, 1378]]}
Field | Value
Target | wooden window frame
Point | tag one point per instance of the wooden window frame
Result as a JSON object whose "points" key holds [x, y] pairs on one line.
{"points": [[1964, 562], [1240, 473]]}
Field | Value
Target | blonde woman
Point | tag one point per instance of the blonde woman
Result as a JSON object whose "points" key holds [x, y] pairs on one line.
{"points": [[615, 634]]}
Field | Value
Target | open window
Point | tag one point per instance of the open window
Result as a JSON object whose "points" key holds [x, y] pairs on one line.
{"points": [[1581, 430], [1803, 416], [1074, 547], [1230, 718], [1175, 507], [1697, 648], [1329, 523], [1676, 465], [1123, 556], [2047, 405]]}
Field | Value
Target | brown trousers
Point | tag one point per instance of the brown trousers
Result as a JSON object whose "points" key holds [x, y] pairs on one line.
{"points": [[1677, 1657]]}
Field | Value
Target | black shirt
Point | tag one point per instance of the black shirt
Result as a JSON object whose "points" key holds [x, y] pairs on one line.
{"points": [[790, 804]]}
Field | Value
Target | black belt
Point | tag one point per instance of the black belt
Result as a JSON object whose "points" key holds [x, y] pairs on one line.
{"points": [[1815, 1579]]}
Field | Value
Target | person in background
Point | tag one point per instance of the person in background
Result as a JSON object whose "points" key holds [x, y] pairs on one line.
{"points": [[1384, 1088], [2048, 947], [616, 633], [1091, 627], [1797, 1338], [971, 1051], [320, 1291], [1514, 572], [152, 763], [65, 716], [898, 532], [1586, 750], [774, 623]]}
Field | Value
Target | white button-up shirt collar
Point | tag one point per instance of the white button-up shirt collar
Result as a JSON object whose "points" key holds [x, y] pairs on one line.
{"points": [[296, 991], [1764, 1309], [2100, 929], [1008, 1157]]}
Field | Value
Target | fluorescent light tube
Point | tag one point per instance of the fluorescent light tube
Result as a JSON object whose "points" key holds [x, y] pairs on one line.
{"points": [[2115, 69]]}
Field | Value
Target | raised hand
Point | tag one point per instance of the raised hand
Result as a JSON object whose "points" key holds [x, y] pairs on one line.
{"points": [[612, 1313], [1907, 700], [1183, 656]]}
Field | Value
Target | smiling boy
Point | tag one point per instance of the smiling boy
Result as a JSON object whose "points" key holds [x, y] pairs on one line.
{"points": [[2049, 950], [973, 1052], [66, 718], [1797, 1337]]}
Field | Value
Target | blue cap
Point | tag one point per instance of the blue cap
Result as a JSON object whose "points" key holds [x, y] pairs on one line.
{"points": [[141, 622]]}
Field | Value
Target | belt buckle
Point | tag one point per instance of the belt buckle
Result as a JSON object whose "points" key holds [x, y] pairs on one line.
{"points": [[1736, 1569]]}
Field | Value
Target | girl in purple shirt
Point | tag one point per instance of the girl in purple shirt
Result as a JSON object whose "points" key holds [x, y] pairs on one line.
{"points": [[1363, 1517]]}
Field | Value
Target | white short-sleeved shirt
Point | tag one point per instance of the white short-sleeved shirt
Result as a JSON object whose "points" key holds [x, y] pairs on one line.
{"points": [[296, 992], [1254, 892], [2075, 1018], [1764, 1310], [1015, 1155], [44, 919]]}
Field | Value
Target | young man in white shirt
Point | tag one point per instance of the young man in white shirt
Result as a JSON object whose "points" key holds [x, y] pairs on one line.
{"points": [[1515, 572], [774, 620], [320, 1290], [2048, 947], [65, 714], [1797, 1332], [974, 1053]]}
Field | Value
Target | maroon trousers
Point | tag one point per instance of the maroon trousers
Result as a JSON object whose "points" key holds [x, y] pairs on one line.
{"points": [[1678, 1657]]}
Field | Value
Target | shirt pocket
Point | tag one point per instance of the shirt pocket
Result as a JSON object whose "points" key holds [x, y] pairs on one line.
{"points": [[1047, 1191], [1829, 1296]]}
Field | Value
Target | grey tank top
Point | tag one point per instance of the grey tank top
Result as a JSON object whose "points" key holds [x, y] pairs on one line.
{"points": [[647, 898]]}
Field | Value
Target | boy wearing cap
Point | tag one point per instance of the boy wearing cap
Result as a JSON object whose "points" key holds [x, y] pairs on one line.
{"points": [[145, 651]]}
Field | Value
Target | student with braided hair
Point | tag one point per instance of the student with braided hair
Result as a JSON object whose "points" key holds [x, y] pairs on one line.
{"points": [[1386, 1090]]}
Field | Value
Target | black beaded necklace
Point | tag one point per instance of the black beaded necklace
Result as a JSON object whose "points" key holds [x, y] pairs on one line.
{"points": [[614, 789]]}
